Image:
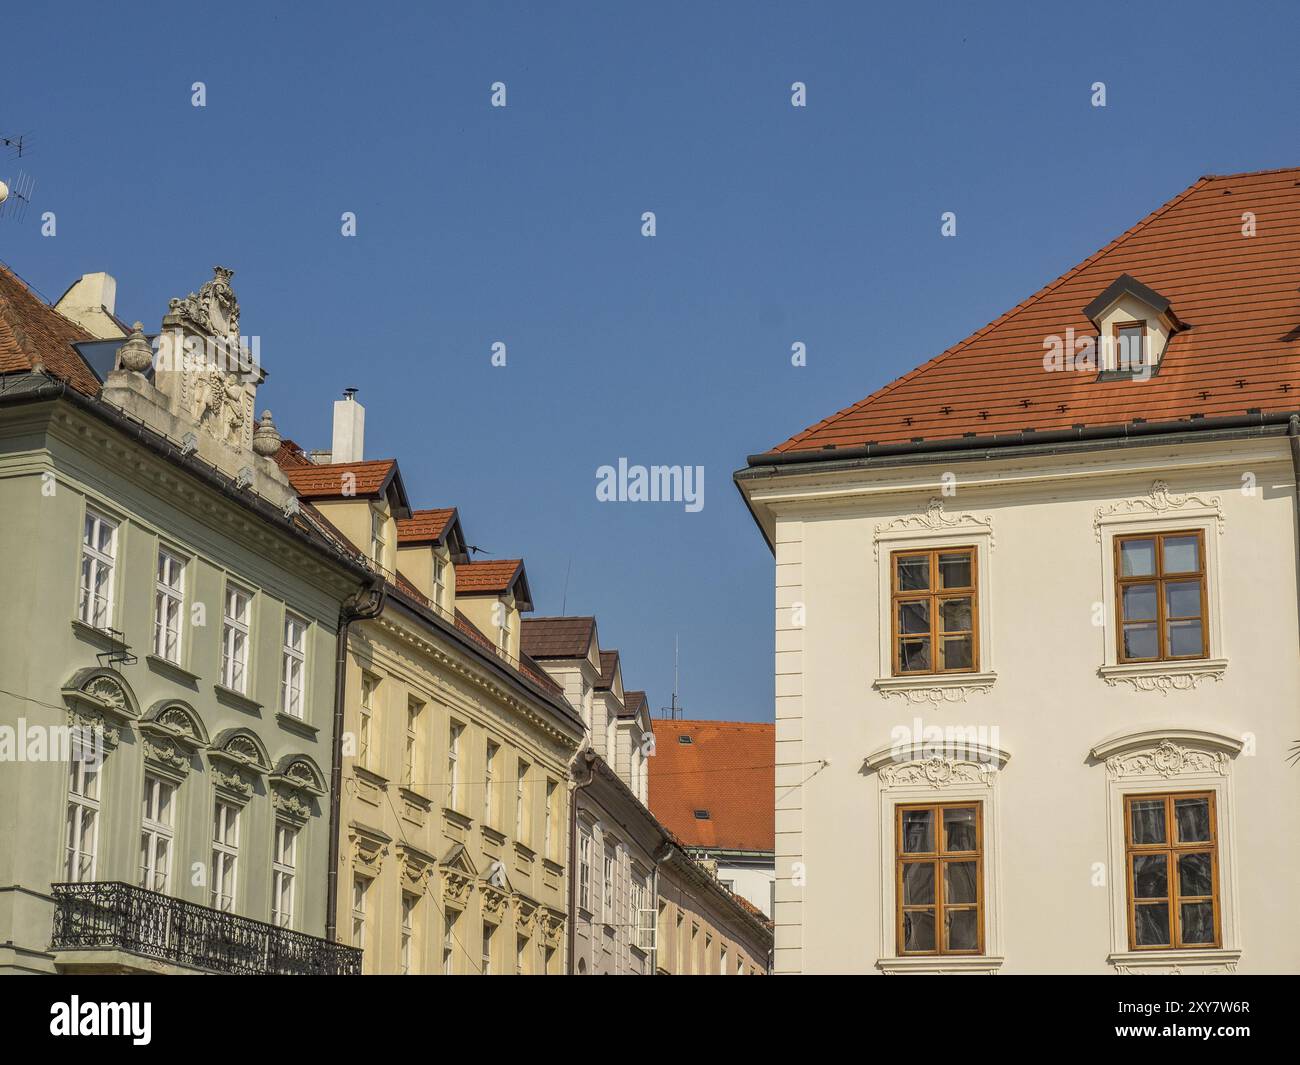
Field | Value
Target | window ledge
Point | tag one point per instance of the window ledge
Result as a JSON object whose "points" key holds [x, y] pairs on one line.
{"points": [[1210, 961], [101, 637], [175, 670], [1164, 677], [297, 724], [935, 688], [238, 700], [979, 965]]}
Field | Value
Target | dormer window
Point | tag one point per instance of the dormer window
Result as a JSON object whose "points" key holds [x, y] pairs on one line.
{"points": [[1130, 346], [1135, 325]]}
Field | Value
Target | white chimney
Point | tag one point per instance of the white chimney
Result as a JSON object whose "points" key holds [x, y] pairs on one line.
{"points": [[90, 302], [349, 429]]}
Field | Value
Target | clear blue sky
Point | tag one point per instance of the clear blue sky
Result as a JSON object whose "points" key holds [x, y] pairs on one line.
{"points": [[522, 225]]}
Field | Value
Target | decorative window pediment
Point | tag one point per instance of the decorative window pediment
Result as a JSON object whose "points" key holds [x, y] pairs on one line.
{"points": [[1158, 504], [937, 765], [934, 522], [100, 700], [1164, 754], [458, 874], [369, 848], [238, 760], [173, 734], [417, 867]]}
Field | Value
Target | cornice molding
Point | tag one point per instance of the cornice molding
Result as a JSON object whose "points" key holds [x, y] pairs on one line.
{"points": [[1164, 753]]}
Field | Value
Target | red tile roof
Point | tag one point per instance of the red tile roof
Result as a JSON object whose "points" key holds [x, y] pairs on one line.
{"points": [[290, 455], [527, 666], [728, 769], [487, 578], [425, 526], [1242, 348], [32, 332], [331, 481], [557, 637]]}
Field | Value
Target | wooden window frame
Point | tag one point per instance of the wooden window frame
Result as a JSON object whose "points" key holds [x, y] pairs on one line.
{"points": [[1115, 346], [933, 595], [937, 858], [1172, 849], [1159, 579]]}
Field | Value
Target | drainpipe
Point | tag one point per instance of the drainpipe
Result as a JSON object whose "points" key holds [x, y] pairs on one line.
{"points": [[588, 756], [1293, 438], [365, 604]]}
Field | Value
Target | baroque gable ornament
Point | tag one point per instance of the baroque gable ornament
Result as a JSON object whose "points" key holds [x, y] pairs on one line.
{"points": [[933, 521], [1157, 503], [1167, 760], [214, 310]]}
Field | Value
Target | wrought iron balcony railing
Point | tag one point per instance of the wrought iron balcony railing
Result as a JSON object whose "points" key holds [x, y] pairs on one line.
{"points": [[110, 915]]}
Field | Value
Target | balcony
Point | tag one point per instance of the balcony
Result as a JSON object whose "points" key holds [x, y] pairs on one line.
{"points": [[126, 927]]}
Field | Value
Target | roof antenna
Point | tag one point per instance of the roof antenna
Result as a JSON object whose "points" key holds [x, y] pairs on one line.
{"points": [[673, 712], [16, 196], [564, 600]]}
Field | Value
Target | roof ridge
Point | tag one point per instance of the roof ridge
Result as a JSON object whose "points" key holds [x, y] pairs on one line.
{"points": [[788, 445], [1252, 173]]}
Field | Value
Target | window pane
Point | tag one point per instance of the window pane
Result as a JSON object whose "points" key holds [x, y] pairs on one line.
{"points": [[955, 571], [958, 652], [913, 573], [1137, 558], [914, 655], [1150, 876], [914, 617], [1151, 924], [1183, 599], [1195, 875], [1192, 816], [918, 930], [1185, 638], [959, 829], [1140, 641], [959, 882], [955, 615], [1197, 919], [1148, 818], [1139, 602], [962, 927], [1182, 554], [918, 883], [918, 831]]}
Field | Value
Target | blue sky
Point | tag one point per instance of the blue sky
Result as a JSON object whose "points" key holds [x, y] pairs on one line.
{"points": [[523, 225]]}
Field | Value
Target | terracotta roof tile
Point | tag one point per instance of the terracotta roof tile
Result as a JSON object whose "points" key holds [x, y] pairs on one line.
{"points": [[341, 480], [290, 456], [487, 578], [1241, 351], [425, 526], [557, 637], [727, 769], [32, 332]]}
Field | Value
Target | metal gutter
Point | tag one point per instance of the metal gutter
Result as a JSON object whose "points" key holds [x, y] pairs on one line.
{"points": [[363, 605]]}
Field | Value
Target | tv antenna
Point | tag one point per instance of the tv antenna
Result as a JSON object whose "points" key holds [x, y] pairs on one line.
{"points": [[18, 145], [673, 711], [16, 196]]}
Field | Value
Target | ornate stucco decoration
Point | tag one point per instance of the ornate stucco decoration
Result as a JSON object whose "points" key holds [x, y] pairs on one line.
{"points": [[417, 867], [933, 521], [99, 702], [1165, 677], [954, 689], [551, 923], [1167, 760], [1164, 754], [290, 806], [238, 760], [526, 913], [1159, 502], [173, 733], [369, 848], [213, 310], [936, 765], [936, 772], [458, 875]]}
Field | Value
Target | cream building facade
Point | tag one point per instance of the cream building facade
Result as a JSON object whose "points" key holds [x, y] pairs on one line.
{"points": [[1035, 690], [455, 750]]}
